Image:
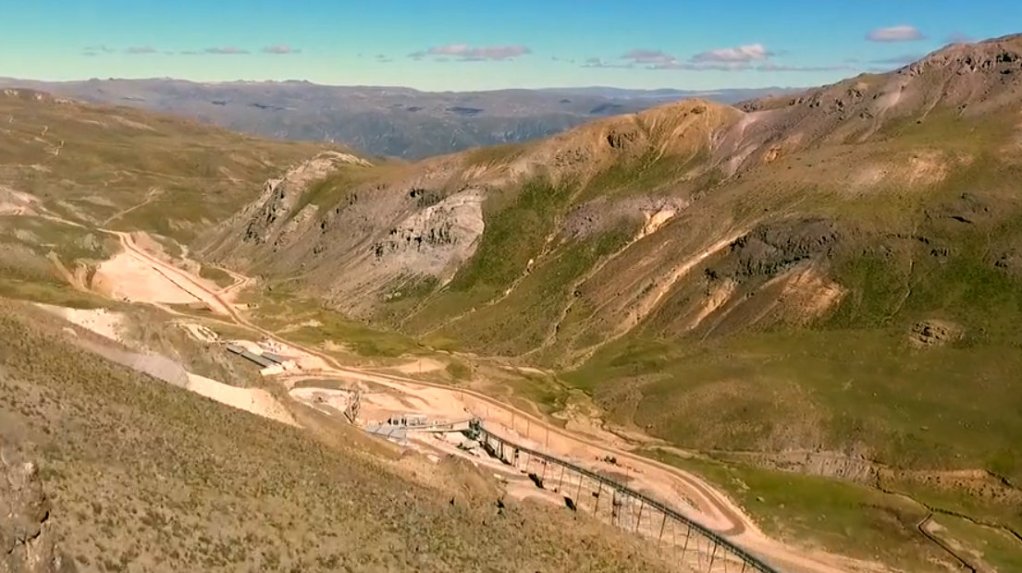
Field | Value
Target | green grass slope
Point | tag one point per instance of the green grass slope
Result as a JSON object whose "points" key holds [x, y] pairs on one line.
{"points": [[130, 170]]}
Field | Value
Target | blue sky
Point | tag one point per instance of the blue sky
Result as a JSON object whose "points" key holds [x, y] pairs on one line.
{"points": [[458, 45]]}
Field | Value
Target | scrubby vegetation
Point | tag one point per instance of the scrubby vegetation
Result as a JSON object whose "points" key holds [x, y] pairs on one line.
{"points": [[144, 475]]}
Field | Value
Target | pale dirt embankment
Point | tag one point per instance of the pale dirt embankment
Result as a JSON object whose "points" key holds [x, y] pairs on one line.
{"points": [[110, 325]]}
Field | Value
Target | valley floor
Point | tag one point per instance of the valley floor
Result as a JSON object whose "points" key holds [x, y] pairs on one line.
{"points": [[383, 395]]}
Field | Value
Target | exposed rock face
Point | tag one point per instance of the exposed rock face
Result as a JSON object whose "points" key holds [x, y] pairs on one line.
{"points": [[435, 240], [935, 333], [26, 541], [268, 214], [768, 250], [1000, 56], [854, 466]]}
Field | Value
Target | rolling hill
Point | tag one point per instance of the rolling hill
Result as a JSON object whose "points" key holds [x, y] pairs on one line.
{"points": [[108, 469], [390, 121]]}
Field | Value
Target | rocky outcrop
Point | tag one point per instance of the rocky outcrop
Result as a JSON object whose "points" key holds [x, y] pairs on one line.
{"points": [[1000, 56], [935, 333], [271, 212], [771, 249], [26, 539], [433, 241]]}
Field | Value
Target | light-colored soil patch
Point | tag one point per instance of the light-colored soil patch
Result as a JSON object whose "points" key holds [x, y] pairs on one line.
{"points": [[200, 333], [808, 294], [106, 323], [329, 400], [437, 404], [109, 324], [656, 220], [137, 276], [927, 168], [420, 366], [889, 99], [716, 298], [15, 202], [649, 301], [253, 400], [126, 277], [921, 170]]}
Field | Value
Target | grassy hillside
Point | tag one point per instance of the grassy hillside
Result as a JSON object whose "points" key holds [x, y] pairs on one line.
{"points": [[144, 475], [129, 170]]}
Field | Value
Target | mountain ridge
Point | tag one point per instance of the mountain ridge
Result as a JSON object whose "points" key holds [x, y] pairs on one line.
{"points": [[391, 121]]}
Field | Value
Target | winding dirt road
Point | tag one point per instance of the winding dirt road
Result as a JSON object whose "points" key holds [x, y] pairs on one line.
{"points": [[709, 506]]}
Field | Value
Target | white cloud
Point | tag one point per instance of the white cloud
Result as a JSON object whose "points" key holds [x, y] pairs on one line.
{"points": [[746, 53], [280, 50], [901, 33], [745, 58]]}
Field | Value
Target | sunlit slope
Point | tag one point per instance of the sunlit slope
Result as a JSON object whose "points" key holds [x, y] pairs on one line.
{"points": [[846, 261]]}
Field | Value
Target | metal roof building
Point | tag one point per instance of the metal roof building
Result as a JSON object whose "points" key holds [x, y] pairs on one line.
{"points": [[244, 353]]}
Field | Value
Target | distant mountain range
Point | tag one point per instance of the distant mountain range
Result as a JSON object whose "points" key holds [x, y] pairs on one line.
{"points": [[391, 121]]}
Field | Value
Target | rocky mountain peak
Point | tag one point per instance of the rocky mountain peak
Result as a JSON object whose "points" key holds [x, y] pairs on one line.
{"points": [[998, 56]]}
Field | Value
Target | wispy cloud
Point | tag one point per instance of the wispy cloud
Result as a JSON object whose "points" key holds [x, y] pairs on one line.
{"points": [[744, 58], [226, 51], [467, 53], [383, 59], [280, 50], [901, 33], [599, 63], [97, 49], [722, 59], [648, 57], [746, 53], [140, 50], [958, 38]]}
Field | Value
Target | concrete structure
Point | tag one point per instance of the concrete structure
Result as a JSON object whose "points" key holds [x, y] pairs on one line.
{"points": [[393, 432], [273, 370], [696, 547]]}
